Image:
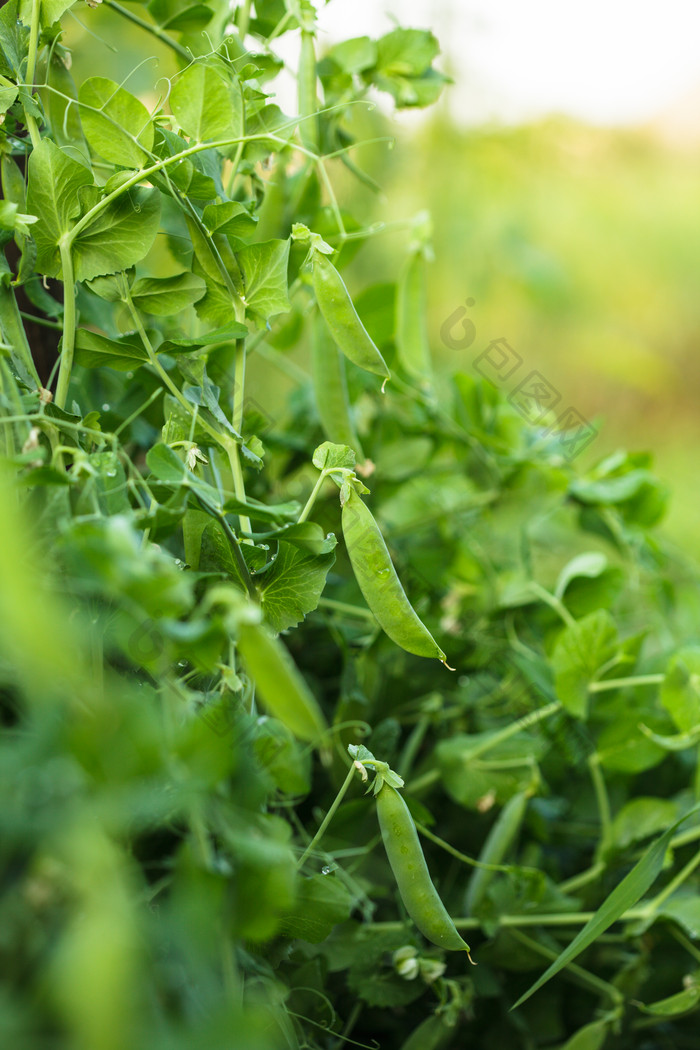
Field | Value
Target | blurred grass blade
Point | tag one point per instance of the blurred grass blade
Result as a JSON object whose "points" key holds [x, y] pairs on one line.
{"points": [[624, 896]]}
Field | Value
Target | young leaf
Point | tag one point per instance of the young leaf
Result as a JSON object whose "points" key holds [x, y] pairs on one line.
{"points": [[166, 296], [231, 218], [207, 105]]}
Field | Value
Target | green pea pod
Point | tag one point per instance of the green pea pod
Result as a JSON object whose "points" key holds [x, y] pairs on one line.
{"points": [[331, 390], [411, 872], [342, 319], [498, 842], [281, 687], [412, 342], [307, 98], [381, 587]]}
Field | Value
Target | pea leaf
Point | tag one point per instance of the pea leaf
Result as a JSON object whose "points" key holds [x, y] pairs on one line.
{"points": [[330, 455], [93, 351], [117, 126], [580, 650], [684, 908], [54, 184], [291, 588], [231, 218], [119, 236], [165, 296], [590, 564], [14, 37], [641, 817], [322, 902], [228, 333], [624, 896], [8, 94], [680, 692], [356, 55], [264, 268], [207, 104], [473, 768], [51, 11], [590, 1037], [673, 1005], [180, 15]]}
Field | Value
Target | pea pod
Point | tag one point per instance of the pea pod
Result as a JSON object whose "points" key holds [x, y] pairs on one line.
{"points": [[411, 872], [281, 687], [376, 576], [412, 342], [307, 98], [331, 390], [344, 324], [498, 842]]}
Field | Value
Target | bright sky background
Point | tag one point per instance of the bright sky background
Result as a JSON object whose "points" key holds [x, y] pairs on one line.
{"points": [[605, 61]]}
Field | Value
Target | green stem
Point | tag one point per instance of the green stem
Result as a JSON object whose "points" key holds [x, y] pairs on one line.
{"points": [[244, 19], [345, 607], [150, 28], [684, 942], [582, 879], [278, 360], [328, 817], [493, 741], [574, 918], [145, 173], [237, 420], [673, 885], [463, 857], [622, 683], [603, 802], [14, 333], [408, 755], [553, 603], [584, 976], [69, 321], [235, 545], [34, 29], [43, 321], [312, 498]]}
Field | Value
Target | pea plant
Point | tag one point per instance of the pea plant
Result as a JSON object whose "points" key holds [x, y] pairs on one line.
{"points": [[225, 624]]}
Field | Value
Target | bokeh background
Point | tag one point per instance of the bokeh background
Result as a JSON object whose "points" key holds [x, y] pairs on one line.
{"points": [[562, 171]]}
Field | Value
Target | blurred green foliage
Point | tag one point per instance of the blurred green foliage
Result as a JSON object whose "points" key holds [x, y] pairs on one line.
{"points": [[581, 246]]}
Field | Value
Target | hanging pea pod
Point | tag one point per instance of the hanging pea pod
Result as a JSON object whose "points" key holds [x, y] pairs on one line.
{"points": [[498, 842], [331, 389], [412, 343], [407, 862], [281, 687], [342, 318], [307, 98], [376, 576]]}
